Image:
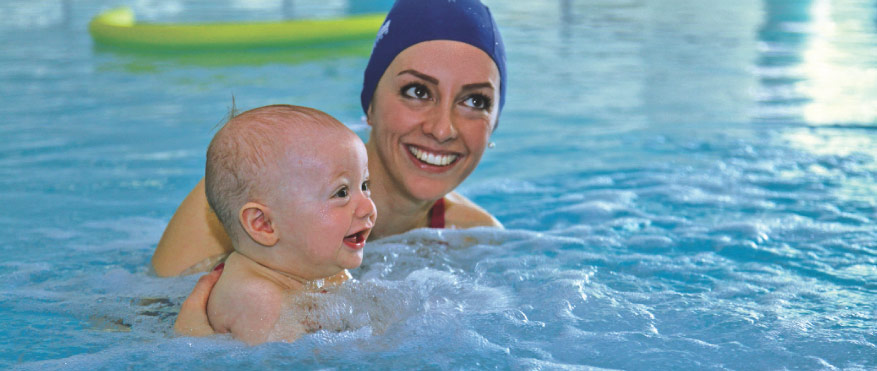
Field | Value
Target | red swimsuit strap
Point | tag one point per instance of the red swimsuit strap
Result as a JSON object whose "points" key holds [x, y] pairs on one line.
{"points": [[437, 214]]}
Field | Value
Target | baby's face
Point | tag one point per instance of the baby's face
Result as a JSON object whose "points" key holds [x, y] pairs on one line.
{"points": [[324, 210]]}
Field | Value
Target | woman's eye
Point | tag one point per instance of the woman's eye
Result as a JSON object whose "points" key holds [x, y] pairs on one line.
{"points": [[478, 101], [342, 193], [417, 91]]}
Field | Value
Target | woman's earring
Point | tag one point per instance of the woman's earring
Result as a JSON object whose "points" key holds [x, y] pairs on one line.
{"points": [[491, 145]]}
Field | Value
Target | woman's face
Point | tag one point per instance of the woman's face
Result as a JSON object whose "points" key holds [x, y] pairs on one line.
{"points": [[431, 115]]}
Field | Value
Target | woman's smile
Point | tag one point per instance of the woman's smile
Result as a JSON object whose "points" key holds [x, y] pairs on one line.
{"points": [[434, 159]]}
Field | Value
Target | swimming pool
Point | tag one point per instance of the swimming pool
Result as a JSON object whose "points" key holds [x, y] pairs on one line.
{"points": [[685, 184]]}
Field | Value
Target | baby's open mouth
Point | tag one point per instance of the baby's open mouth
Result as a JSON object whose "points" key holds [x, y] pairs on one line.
{"points": [[356, 240]]}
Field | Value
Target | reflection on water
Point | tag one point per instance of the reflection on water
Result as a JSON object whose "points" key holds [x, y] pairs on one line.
{"points": [[846, 155], [697, 57], [841, 63], [781, 38], [828, 142], [818, 66], [818, 62], [811, 61]]}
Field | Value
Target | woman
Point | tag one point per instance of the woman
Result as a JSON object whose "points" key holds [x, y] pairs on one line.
{"points": [[432, 93]]}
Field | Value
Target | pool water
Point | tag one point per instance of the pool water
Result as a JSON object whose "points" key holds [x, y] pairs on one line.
{"points": [[684, 185]]}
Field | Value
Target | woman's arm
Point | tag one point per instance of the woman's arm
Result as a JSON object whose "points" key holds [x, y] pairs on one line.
{"points": [[193, 234], [460, 212]]}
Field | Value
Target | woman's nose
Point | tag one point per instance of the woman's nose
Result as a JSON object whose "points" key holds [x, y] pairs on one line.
{"points": [[440, 125]]}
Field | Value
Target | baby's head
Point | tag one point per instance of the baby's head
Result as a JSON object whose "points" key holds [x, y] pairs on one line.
{"points": [[290, 186]]}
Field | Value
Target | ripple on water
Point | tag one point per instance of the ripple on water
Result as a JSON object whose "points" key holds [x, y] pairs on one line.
{"points": [[505, 299]]}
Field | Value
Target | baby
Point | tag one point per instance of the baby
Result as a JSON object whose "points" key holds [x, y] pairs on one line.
{"points": [[290, 186]]}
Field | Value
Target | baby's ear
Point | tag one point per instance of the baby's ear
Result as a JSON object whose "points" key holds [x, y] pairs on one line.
{"points": [[256, 220]]}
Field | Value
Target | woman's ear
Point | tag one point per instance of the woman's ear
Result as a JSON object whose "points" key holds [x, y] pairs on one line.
{"points": [[256, 220], [370, 112]]}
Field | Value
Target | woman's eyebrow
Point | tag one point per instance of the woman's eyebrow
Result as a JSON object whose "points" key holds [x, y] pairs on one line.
{"points": [[479, 85], [420, 75]]}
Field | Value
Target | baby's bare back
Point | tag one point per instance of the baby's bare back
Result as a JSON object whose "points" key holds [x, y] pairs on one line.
{"points": [[245, 302], [250, 303]]}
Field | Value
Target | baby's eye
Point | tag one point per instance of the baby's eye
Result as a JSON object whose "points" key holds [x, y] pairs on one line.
{"points": [[342, 193], [366, 186], [417, 91], [478, 101]]}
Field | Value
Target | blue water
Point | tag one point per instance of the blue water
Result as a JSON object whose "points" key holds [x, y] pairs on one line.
{"points": [[685, 185]]}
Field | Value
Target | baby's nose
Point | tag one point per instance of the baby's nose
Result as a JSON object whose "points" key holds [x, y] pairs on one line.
{"points": [[366, 208]]}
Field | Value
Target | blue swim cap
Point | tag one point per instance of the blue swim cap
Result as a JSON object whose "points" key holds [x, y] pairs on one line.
{"points": [[414, 21]]}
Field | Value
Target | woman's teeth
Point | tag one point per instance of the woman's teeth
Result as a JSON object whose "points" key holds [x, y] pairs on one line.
{"points": [[432, 158]]}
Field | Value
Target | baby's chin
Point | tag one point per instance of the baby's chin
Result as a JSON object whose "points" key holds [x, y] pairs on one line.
{"points": [[355, 264]]}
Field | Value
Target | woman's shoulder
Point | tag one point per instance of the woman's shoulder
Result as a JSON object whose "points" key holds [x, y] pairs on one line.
{"points": [[461, 212]]}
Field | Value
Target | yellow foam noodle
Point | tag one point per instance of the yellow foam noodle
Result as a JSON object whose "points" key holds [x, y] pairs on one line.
{"points": [[118, 27]]}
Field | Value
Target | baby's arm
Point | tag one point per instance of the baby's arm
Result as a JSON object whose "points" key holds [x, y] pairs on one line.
{"points": [[247, 308]]}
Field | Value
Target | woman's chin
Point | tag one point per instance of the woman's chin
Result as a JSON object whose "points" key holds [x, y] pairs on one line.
{"points": [[429, 189], [430, 182]]}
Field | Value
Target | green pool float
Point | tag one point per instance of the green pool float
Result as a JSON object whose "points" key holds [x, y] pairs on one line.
{"points": [[118, 28]]}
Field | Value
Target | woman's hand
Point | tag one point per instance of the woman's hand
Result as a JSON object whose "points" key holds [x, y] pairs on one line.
{"points": [[192, 320]]}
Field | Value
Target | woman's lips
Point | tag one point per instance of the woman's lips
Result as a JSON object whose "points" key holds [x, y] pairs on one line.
{"points": [[432, 159]]}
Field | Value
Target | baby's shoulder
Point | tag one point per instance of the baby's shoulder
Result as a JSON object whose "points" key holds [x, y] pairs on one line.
{"points": [[248, 290], [238, 299], [460, 212]]}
